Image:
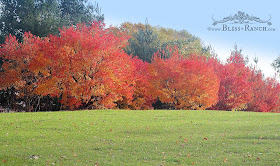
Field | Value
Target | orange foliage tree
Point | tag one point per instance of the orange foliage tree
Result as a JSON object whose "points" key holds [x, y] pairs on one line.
{"points": [[16, 73], [84, 66], [183, 83], [142, 98]]}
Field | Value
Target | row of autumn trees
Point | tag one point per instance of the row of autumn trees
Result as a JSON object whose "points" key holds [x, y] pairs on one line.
{"points": [[89, 67]]}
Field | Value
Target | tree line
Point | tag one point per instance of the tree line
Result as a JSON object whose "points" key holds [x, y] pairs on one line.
{"points": [[57, 54], [86, 67]]}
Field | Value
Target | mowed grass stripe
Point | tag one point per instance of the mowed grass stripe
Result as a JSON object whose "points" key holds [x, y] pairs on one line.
{"points": [[151, 137]]}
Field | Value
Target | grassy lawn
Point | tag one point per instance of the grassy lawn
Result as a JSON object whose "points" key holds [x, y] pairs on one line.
{"points": [[125, 137]]}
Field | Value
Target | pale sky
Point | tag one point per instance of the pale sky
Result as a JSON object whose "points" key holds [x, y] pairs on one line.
{"points": [[196, 17]]}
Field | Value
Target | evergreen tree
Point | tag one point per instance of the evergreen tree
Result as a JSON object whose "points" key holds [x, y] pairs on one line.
{"points": [[144, 44], [43, 17]]}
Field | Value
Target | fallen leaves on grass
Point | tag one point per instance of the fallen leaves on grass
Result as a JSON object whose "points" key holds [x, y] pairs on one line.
{"points": [[34, 157]]}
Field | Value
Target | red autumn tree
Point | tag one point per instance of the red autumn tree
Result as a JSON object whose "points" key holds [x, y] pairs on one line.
{"points": [[142, 98], [235, 87], [16, 73], [266, 93], [183, 83], [92, 69], [84, 66]]}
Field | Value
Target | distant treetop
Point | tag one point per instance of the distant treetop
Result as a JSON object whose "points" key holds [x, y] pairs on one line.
{"points": [[44, 17]]}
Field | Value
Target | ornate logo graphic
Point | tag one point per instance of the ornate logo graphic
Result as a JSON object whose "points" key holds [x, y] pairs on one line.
{"points": [[241, 22], [241, 18]]}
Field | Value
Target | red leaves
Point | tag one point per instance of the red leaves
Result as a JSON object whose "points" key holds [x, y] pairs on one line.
{"points": [[265, 94], [235, 86], [86, 67], [98, 72], [184, 83]]}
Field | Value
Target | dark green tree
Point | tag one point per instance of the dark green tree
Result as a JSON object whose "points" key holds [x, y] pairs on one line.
{"points": [[78, 11], [43, 17], [143, 44], [276, 64]]}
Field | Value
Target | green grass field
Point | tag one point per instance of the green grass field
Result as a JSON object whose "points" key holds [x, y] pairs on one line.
{"points": [[125, 137]]}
